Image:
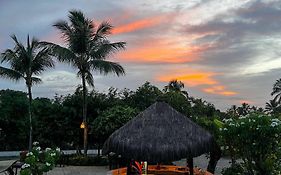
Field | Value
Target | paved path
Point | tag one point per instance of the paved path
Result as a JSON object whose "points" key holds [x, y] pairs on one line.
{"points": [[201, 162], [17, 153]]}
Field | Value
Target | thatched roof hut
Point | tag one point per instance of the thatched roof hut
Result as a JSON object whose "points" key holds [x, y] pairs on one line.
{"points": [[159, 134]]}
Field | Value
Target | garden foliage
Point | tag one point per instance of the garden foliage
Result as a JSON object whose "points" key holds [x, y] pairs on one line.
{"points": [[255, 139], [38, 161]]}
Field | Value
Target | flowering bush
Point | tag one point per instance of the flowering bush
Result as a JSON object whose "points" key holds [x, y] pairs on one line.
{"points": [[255, 138], [38, 161]]}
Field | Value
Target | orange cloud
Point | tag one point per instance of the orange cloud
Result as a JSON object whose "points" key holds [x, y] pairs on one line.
{"points": [[195, 78], [158, 54], [219, 89], [141, 24], [191, 79], [162, 50]]}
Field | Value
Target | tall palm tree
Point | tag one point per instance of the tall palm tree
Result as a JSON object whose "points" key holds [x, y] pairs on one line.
{"points": [[175, 86], [87, 50], [277, 91], [26, 63]]}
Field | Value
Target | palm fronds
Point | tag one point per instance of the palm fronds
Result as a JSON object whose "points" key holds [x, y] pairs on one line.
{"points": [[104, 49], [277, 91], [10, 74], [105, 67], [61, 53]]}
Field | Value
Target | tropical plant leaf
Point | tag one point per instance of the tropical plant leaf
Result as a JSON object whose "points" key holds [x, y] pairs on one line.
{"points": [[42, 61], [10, 74], [35, 80], [105, 49], [105, 67], [64, 28], [103, 29], [63, 54]]}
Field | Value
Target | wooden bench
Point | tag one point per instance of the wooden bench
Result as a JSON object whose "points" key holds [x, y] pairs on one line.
{"points": [[12, 169]]}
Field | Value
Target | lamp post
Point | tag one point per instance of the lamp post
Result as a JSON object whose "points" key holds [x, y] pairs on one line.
{"points": [[84, 126]]}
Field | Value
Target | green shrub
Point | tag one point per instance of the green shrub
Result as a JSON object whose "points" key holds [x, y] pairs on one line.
{"points": [[254, 138], [79, 160], [38, 161], [235, 169]]}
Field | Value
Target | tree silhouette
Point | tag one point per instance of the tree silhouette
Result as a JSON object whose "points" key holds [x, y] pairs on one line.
{"points": [[26, 63], [88, 48], [175, 86], [277, 91]]}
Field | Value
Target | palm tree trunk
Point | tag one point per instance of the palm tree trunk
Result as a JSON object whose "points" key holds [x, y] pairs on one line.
{"points": [[85, 115], [30, 117]]}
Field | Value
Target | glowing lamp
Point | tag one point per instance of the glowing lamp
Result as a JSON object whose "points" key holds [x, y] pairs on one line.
{"points": [[82, 126]]}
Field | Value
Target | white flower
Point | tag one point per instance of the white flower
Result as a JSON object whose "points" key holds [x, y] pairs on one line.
{"points": [[276, 135], [35, 143], [25, 166], [38, 148], [29, 154], [48, 164], [275, 120], [242, 123], [58, 149], [225, 129], [227, 120], [242, 117], [53, 154], [273, 124], [48, 149]]}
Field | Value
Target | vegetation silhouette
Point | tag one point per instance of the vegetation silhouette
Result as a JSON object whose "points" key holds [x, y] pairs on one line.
{"points": [[87, 50], [26, 62]]}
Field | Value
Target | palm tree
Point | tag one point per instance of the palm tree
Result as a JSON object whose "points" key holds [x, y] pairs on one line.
{"points": [[175, 86], [271, 106], [233, 110], [87, 50], [26, 63], [244, 109], [277, 91]]}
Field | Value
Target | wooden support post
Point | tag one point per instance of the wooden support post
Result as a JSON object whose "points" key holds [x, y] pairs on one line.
{"points": [[129, 166], [190, 165]]}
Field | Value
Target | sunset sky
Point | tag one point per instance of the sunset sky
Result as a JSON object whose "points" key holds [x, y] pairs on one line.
{"points": [[226, 52]]}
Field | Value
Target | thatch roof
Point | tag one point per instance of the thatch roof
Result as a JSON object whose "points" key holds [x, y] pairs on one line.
{"points": [[159, 134]]}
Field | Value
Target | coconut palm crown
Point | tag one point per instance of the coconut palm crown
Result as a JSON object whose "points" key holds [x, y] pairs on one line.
{"points": [[26, 62], [175, 86], [277, 91], [87, 50]]}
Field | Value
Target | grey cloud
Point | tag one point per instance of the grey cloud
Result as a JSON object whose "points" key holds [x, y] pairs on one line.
{"points": [[241, 40]]}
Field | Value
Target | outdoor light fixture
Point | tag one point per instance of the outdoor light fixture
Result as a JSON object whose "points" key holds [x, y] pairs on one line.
{"points": [[82, 126]]}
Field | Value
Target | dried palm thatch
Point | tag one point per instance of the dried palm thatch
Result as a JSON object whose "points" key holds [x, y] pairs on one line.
{"points": [[159, 134]]}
